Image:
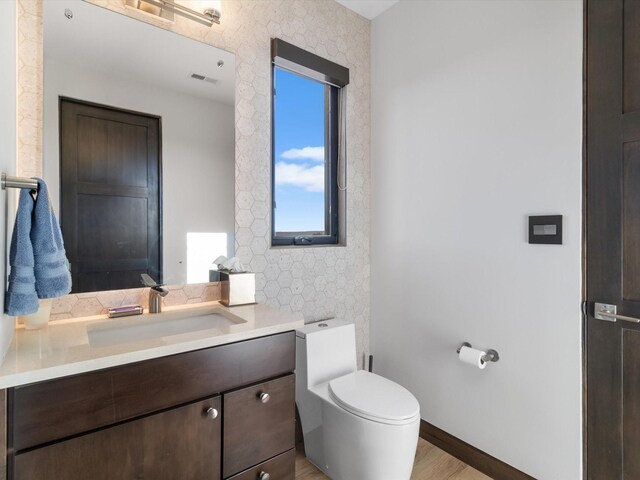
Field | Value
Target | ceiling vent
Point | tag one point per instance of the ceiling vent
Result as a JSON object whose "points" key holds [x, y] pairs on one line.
{"points": [[204, 78]]}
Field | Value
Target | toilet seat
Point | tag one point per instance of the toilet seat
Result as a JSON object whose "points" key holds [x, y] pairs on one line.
{"points": [[375, 398]]}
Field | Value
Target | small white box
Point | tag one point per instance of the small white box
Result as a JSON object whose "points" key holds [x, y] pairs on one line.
{"points": [[238, 288]]}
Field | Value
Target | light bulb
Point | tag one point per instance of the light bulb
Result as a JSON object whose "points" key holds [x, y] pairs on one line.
{"points": [[211, 8]]}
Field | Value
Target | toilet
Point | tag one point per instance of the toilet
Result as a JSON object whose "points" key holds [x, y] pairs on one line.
{"points": [[356, 425]]}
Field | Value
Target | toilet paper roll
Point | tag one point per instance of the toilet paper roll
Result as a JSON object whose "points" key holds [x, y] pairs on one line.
{"points": [[472, 356]]}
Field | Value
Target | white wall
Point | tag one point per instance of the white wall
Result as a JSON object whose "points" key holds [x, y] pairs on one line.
{"points": [[476, 109], [197, 154], [7, 151]]}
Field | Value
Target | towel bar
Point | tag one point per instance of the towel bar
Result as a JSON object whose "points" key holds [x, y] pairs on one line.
{"points": [[7, 181]]}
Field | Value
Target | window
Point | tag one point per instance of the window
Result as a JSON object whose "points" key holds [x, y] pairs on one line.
{"points": [[308, 167]]}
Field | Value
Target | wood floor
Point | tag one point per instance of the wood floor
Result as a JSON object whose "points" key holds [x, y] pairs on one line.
{"points": [[431, 464]]}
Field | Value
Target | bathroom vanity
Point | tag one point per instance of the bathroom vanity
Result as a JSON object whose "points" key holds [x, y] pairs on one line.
{"points": [[223, 411]]}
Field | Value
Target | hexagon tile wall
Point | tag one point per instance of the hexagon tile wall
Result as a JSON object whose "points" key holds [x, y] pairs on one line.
{"points": [[321, 282]]}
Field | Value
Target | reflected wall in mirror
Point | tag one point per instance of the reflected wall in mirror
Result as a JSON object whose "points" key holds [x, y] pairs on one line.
{"points": [[138, 147]]}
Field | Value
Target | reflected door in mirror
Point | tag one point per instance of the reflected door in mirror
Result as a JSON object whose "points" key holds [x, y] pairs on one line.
{"points": [[110, 195]]}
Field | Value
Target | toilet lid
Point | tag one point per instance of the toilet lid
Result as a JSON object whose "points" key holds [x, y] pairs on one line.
{"points": [[374, 397]]}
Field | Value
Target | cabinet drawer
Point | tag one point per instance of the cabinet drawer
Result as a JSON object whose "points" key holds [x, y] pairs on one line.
{"points": [[282, 467], [56, 409], [183, 443], [255, 431]]}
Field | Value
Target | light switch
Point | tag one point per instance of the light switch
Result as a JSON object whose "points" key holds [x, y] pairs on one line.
{"points": [[545, 229]]}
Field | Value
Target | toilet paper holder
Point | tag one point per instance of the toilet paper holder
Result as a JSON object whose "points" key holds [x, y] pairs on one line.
{"points": [[490, 356]]}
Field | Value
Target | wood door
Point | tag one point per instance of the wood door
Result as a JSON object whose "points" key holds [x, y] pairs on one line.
{"points": [[183, 443], [612, 419], [110, 188]]}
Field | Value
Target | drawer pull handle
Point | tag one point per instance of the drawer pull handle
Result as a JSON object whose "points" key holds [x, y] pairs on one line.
{"points": [[212, 413], [264, 476], [264, 397]]}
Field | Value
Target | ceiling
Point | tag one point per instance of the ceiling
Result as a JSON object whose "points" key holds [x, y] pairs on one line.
{"points": [[123, 48], [368, 8]]}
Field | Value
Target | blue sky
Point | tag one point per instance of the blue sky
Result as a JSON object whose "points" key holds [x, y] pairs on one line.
{"points": [[299, 152]]}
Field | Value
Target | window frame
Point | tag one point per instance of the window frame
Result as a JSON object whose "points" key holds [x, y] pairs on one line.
{"points": [[295, 60]]}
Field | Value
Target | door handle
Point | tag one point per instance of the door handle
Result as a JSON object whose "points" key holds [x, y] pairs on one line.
{"points": [[607, 312]]}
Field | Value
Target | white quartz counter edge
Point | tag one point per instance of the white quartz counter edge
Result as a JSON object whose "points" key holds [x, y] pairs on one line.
{"points": [[10, 379]]}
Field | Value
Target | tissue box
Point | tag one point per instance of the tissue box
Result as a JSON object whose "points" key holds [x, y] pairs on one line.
{"points": [[238, 288]]}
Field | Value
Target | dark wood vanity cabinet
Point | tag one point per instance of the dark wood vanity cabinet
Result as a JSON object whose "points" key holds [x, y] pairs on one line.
{"points": [[222, 412]]}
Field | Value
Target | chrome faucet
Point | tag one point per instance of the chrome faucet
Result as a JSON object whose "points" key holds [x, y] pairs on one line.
{"points": [[155, 302], [155, 294]]}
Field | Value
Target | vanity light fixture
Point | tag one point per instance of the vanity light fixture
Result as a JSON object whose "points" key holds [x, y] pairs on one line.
{"points": [[210, 10]]}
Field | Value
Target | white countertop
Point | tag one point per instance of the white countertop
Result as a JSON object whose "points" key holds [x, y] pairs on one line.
{"points": [[63, 348]]}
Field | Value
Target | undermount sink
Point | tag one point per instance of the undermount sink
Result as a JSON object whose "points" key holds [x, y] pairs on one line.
{"points": [[165, 324]]}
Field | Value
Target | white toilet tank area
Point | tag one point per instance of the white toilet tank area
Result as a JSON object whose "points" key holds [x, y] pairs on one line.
{"points": [[324, 350], [329, 347]]}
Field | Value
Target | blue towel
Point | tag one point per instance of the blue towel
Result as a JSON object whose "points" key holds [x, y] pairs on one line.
{"points": [[51, 266], [21, 297]]}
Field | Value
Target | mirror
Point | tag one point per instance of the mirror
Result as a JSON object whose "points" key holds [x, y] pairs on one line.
{"points": [[138, 147]]}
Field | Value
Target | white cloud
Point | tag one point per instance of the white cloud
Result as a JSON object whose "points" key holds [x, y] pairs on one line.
{"points": [[303, 176], [307, 153]]}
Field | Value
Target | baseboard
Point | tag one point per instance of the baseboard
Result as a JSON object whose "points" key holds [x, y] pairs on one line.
{"points": [[481, 461]]}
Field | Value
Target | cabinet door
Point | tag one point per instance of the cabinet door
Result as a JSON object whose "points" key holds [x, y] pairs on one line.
{"points": [[183, 443], [259, 423], [282, 467]]}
